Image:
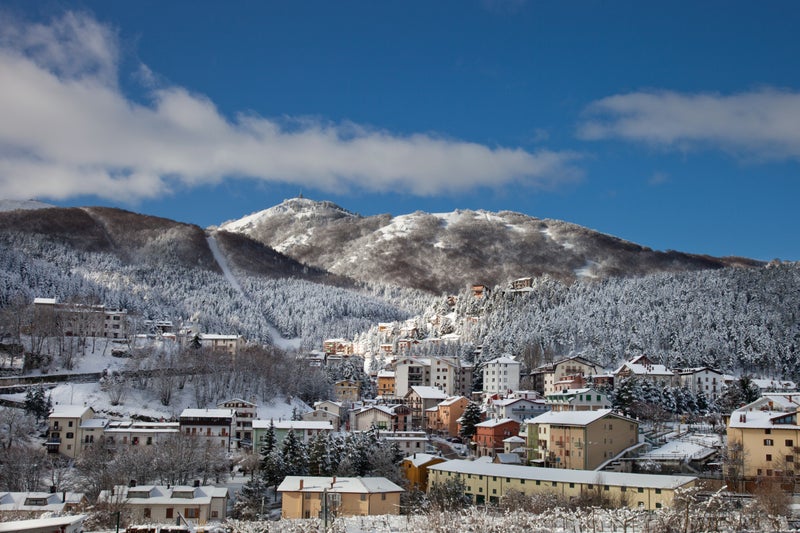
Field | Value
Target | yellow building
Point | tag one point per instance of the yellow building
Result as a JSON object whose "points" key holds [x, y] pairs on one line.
{"points": [[579, 439], [66, 427], [415, 469], [303, 496], [764, 441], [488, 482]]}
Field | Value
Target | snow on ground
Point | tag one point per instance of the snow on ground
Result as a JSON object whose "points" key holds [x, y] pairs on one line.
{"points": [[588, 270]]}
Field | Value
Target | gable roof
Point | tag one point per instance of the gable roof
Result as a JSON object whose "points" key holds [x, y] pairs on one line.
{"points": [[345, 485], [572, 418], [428, 393]]}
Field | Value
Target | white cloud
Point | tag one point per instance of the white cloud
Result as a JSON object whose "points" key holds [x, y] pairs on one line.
{"points": [[67, 130], [761, 123]]}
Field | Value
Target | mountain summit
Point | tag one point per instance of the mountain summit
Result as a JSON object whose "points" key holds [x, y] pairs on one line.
{"points": [[443, 252]]}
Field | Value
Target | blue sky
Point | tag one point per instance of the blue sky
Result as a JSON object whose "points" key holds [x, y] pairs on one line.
{"points": [[676, 126]]}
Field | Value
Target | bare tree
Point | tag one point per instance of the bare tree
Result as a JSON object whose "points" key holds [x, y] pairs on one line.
{"points": [[16, 426]]}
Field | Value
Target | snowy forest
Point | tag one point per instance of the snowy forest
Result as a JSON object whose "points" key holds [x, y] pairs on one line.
{"points": [[739, 320]]}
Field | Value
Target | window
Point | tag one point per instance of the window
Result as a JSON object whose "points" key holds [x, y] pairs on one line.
{"points": [[768, 431], [790, 458], [169, 512], [191, 512], [623, 489], [769, 457], [383, 496], [768, 442], [214, 514], [658, 491], [639, 489], [363, 497], [658, 505], [789, 442], [147, 512], [70, 435]]}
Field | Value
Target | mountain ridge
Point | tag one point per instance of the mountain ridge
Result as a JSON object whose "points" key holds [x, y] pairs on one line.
{"points": [[443, 252]]}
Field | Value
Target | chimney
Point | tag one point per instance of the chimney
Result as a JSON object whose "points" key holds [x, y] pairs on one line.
{"points": [[132, 483], [301, 483], [64, 497], [333, 482], [52, 489], [196, 482]]}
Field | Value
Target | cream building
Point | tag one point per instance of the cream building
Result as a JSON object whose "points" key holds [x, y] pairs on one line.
{"points": [[488, 482], [158, 503], [306, 496]]}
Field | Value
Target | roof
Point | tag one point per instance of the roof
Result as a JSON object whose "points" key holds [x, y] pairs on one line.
{"points": [[514, 439], [293, 424], [54, 523], [508, 459], [44, 301], [452, 400], [619, 479], [494, 422], [571, 418], [419, 459], [646, 370], [429, 393], [95, 423], [207, 413], [68, 411], [55, 501], [348, 485], [386, 373], [161, 494], [502, 361]]}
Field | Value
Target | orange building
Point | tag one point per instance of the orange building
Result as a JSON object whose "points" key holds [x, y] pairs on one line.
{"points": [[386, 384], [443, 419]]}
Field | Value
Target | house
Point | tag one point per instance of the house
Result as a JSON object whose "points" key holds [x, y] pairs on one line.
{"points": [[60, 524], [159, 503], [19, 505], [309, 497], [488, 482], [442, 419], [346, 390], [546, 376], [121, 433], [581, 440], [229, 344], [245, 413], [337, 347], [304, 430], [386, 384], [586, 399], [83, 320], [415, 469], [702, 379], [214, 425], [320, 415], [501, 376], [775, 385], [419, 399], [407, 442], [516, 408], [479, 291], [643, 368], [386, 417], [64, 434], [764, 441], [489, 435]]}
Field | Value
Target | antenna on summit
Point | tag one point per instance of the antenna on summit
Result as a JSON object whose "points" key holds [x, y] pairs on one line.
{"points": [[300, 195]]}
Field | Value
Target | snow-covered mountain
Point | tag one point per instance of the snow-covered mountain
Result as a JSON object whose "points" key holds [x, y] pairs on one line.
{"points": [[443, 252]]}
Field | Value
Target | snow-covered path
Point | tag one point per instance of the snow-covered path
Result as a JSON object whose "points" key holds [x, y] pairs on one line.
{"points": [[219, 257], [277, 339]]}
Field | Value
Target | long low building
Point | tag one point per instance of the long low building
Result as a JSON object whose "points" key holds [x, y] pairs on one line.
{"points": [[302, 496], [488, 482]]}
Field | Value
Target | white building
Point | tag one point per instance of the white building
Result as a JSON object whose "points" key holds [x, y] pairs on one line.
{"points": [[501, 376], [215, 425], [703, 379]]}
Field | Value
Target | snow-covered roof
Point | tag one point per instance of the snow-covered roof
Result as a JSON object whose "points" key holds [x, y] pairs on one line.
{"points": [[451, 400], [775, 384], [618, 479], [514, 439], [508, 459], [386, 373], [570, 418], [502, 361], [44, 301], [419, 459], [94, 423], [68, 411], [39, 524], [219, 337], [346, 485], [294, 424], [207, 413], [645, 370], [160, 494], [494, 422], [51, 501], [429, 393]]}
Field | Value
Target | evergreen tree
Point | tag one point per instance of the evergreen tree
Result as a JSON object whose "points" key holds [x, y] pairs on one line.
{"points": [[268, 441], [295, 460], [319, 463], [273, 469], [37, 403], [251, 499], [471, 417]]}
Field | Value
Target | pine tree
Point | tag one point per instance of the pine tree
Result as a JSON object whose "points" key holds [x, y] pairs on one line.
{"points": [[251, 499], [319, 463], [470, 418], [294, 456]]}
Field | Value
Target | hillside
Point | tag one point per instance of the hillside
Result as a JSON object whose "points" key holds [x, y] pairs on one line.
{"points": [[444, 252]]}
